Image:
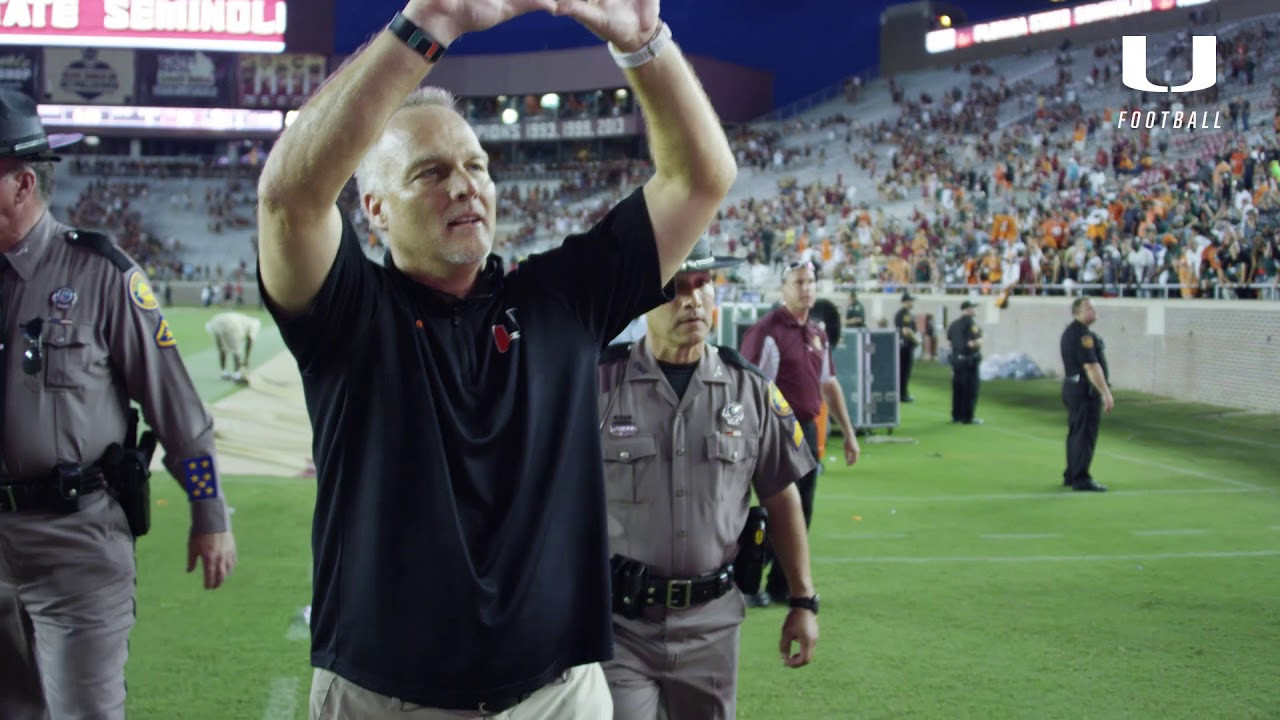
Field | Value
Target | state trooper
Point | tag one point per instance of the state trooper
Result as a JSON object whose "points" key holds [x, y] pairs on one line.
{"points": [[688, 429], [81, 334]]}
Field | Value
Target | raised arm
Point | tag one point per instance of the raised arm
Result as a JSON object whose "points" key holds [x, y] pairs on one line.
{"points": [[299, 225], [693, 165]]}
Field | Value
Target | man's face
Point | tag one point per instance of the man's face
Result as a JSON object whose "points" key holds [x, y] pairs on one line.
{"points": [[17, 189], [432, 197], [1087, 315], [686, 320], [799, 288]]}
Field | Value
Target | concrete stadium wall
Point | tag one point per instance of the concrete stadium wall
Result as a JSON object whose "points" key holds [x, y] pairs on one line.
{"points": [[1219, 352]]}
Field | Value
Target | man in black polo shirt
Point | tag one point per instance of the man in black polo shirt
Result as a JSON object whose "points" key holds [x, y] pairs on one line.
{"points": [[459, 537], [1086, 391], [965, 338]]}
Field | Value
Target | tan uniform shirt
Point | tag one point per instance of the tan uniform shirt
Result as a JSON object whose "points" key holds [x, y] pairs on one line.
{"points": [[230, 329], [104, 343], [678, 473]]}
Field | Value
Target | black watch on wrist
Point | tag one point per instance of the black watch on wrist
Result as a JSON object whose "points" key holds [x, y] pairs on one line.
{"points": [[417, 40], [805, 603]]}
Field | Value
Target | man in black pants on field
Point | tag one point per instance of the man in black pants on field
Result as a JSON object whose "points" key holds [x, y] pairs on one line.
{"points": [[966, 353], [908, 339], [1085, 392]]}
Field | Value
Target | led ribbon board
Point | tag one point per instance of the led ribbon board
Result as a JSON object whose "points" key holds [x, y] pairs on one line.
{"points": [[221, 25]]}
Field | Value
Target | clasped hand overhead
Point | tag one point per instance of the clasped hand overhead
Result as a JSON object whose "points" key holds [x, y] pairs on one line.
{"points": [[628, 24]]}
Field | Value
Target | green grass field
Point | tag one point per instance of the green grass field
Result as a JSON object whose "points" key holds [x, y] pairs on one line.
{"points": [[958, 579]]}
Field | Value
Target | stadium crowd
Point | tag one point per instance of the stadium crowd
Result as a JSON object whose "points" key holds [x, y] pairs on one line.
{"points": [[998, 184]]}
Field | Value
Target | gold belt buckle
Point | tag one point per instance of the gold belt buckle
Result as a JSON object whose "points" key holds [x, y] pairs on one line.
{"points": [[688, 594]]}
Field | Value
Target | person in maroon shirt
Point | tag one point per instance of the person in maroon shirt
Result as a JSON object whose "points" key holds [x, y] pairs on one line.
{"points": [[793, 351]]}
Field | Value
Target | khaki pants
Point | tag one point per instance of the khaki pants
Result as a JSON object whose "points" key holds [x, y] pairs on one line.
{"points": [[579, 694], [66, 609], [677, 664]]}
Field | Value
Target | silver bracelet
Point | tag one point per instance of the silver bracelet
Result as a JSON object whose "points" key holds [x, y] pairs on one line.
{"points": [[660, 40]]}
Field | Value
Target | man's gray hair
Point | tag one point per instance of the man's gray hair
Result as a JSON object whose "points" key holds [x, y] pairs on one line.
{"points": [[367, 174], [44, 180]]}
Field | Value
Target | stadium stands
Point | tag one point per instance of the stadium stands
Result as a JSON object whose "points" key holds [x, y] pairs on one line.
{"points": [[1005, 175]]}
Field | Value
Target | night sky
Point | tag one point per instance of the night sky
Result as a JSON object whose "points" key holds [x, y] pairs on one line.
{"points": [[807, 44]]}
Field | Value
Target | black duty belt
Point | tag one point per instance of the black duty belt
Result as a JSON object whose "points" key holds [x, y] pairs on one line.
{"points": [[683, 594], [56, 492]]}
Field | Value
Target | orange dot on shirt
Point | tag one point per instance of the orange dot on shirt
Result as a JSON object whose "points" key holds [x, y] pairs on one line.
{"points": [[418, 323]]}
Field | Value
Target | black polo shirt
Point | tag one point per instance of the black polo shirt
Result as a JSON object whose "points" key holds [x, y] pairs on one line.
{"points": [[1080, 346], [459, 538], [960, 333]]}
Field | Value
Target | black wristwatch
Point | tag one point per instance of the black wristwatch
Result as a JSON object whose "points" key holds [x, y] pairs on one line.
{"points": [[805, 603], [417, 40]]}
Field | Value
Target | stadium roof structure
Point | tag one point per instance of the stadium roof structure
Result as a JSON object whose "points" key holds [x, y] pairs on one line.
{"points": [[808, 45]]}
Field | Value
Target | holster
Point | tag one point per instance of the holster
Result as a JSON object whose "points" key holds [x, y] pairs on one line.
{"points": [[128, 471], [630, 579], [748, 566]]}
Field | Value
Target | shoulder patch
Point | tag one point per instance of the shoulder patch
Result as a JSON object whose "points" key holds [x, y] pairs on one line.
{"points": [[778, 403], [101, 244], [616, 352], [140, 291], [797, 435], [1087, 342], [732, 357], [164, 336]]}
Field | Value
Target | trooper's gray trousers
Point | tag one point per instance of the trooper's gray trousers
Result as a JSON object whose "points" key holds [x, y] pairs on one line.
{"points": [[66, 609]]}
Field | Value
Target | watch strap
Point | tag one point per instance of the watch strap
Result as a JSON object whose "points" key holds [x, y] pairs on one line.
{"points": [[805, 603], [417, 40]]}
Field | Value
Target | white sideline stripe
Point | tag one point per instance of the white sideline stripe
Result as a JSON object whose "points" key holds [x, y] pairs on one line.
{"points": [[1214, 436], [282, 702], [867, 536], [297, 632], [1018, 536], [959, 559], [1137, 461], [1183, 531], [1035, 496]]}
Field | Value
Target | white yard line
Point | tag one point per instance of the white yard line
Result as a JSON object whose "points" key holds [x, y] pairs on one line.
{"points": [[1137, 461], [1064, 493], [1214, 436], [282, 702], [866, 536], [966, 559]]}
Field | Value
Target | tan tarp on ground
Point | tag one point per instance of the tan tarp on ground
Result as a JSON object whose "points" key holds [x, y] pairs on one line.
{"points": [[262, 429]]}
